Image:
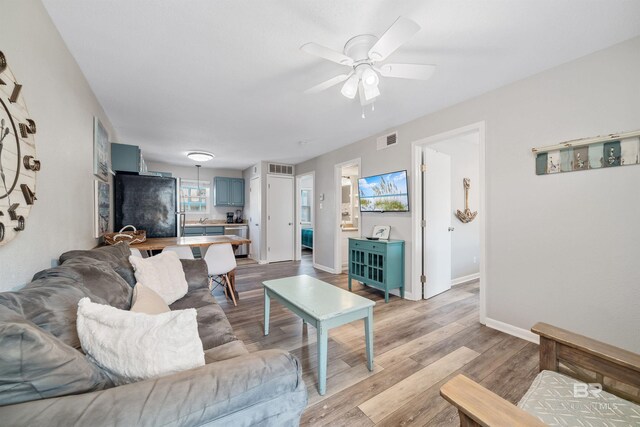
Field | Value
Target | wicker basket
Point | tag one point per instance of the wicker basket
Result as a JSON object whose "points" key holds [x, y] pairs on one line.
{"points": [[131, 237]]}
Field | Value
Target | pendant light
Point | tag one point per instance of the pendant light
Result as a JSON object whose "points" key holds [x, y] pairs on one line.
{"points": [[198, 180]]}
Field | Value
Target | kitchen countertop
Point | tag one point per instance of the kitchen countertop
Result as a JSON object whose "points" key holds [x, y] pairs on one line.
{"points": [[214, 224]]}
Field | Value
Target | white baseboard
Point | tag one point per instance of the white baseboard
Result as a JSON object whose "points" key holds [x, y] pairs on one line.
{"points": [[464, 279], [325, 268], [513, 330]]}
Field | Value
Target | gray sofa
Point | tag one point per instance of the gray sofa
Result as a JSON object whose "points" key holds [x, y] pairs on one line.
{"points": [[45, 379]]}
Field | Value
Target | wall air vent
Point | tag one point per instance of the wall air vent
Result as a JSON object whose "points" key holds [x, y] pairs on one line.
{"points": [[387, 141], [278, 169]]}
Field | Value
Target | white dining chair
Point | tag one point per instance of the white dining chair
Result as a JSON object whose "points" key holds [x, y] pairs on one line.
{"points": [[184, 252], [220, 261], [136, 252]]}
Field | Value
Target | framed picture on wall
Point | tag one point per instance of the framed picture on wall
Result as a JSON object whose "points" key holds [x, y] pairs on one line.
{"points": [[102, 208], [100, 150]]}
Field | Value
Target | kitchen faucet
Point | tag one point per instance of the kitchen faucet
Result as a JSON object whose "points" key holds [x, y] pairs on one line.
{"points": [[202, 220]]}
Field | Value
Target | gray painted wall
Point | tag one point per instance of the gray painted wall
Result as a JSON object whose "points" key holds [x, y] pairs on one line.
{"points": [[560, 248], [63, 105], [465, 239]]}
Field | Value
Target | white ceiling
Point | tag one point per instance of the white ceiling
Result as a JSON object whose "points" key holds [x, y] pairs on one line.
{"points": [[227, 76]]}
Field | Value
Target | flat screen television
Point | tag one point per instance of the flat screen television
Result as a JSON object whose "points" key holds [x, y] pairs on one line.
{"points": [[384, 193]]}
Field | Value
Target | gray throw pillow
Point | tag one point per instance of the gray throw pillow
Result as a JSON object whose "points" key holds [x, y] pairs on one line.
{"points": [[35, 365]]}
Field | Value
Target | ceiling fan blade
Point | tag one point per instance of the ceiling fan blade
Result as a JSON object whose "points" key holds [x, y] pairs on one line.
{"points": [[407, 71], [327, 84], [326, 53], [398, 33]]}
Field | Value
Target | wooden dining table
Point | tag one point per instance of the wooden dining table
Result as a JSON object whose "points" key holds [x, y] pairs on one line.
{"points": [[159, 243]]}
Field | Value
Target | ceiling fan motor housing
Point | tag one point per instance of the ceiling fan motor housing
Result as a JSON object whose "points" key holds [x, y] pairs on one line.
{"points": [[358, 48]]}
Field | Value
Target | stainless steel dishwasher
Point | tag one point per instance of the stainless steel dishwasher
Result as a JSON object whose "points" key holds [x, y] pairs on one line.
{"points": [[240, 230]]}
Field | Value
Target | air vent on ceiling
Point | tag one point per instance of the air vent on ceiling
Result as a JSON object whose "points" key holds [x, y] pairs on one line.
{"points": [[387, 141], [278, 169]]}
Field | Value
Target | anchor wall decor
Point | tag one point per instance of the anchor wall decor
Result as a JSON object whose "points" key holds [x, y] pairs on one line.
{"points": [[467, 215]]}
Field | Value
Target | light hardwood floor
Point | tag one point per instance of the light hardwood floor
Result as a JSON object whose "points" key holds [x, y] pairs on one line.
{"points": [[418, 346]]}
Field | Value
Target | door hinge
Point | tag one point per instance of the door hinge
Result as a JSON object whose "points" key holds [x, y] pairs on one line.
{"points": [[423, 279], [423, 168], [269, 249], [423, 223]]}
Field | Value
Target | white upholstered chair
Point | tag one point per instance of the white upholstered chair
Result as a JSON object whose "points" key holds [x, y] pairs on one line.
{"points": [[184, 252], [220, 261]]}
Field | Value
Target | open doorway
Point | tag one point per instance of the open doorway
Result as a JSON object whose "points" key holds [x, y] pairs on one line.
{"points": [[449, 246], [347, 210], [305, 215]]}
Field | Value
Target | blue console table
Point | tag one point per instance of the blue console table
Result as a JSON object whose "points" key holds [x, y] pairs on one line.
{"points": [[377, 263]]}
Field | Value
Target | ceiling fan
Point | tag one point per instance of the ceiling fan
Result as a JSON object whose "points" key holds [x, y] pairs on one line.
{"points": [[362, 53]]}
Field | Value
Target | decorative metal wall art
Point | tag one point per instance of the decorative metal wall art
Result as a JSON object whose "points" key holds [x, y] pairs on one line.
{"points": [[18, 163], [466, 215], [590, 153]]}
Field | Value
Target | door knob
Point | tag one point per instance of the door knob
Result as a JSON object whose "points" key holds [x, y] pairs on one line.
{"points": [[290, 223]]}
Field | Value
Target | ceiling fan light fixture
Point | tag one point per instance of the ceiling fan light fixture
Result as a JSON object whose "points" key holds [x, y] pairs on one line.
{"points": [[370, 92], [350, 88], [369, 77], [200, 156]]}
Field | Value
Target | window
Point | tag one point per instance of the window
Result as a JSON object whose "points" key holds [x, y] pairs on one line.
{"points": [[305, 206], [190, 200]]}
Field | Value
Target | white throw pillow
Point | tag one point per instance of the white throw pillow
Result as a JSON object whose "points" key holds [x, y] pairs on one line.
{"points": [[162, 273], [146, 300], [132, 346]]}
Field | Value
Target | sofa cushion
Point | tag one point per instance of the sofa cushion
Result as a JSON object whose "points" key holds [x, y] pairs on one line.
{"points": [[51, 302], [137, 346], [552, 397], [117, 256], [99, 278], [194, 299], [36, 365], [213, 326], [196, 273], [225, 351]]}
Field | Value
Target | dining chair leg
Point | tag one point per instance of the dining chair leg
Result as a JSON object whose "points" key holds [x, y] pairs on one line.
{"points": [[233, 292]]}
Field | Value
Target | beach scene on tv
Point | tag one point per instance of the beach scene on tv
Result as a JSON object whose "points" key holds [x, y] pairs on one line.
{"points": [[384, 193]]}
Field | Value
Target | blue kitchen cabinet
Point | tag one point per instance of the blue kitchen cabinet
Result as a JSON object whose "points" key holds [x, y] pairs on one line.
{"points": [[228, 191], [125, 158], [202, 231]]}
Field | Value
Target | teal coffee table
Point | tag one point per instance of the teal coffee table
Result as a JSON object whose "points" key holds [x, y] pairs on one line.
{"points": [[324, 306]]}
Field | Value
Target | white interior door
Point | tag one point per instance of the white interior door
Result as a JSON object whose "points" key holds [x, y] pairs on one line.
{"points": [[255, 211], [437, 209], [280, 218]]}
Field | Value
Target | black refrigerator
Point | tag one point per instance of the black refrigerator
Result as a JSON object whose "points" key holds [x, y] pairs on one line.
{"points": [[146, 202]]}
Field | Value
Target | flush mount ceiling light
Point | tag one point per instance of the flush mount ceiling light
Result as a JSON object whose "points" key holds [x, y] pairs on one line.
{"points": [[200, 156], [362, 53]]}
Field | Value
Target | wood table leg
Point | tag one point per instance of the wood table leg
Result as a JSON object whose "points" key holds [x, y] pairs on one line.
{"points": [[267, 310], [322, 358], [368, 332], [232, 282]]}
